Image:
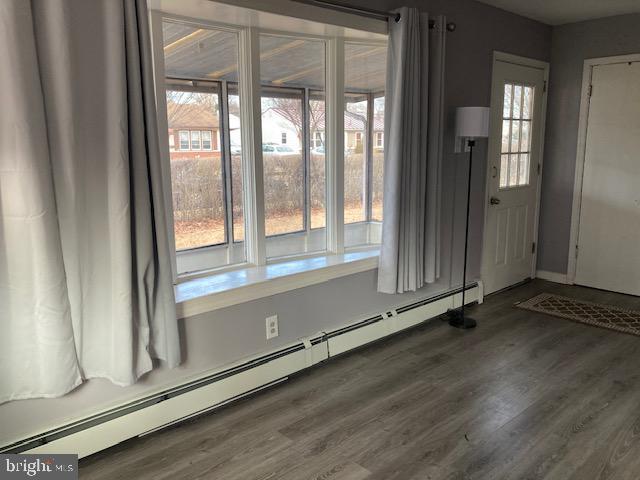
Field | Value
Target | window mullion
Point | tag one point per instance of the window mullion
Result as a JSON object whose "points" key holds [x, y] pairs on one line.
{"points": [[251, 131], [306, 155], [334, 141], [225, 150], [368, 149]]}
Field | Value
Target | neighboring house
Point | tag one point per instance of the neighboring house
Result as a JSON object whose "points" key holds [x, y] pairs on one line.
{"points": [[354, 131], [194, 131], [277, 130]]}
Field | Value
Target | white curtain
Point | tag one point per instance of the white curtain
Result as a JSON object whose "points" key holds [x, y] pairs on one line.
{"points": [[409, 255], [85, 281]]}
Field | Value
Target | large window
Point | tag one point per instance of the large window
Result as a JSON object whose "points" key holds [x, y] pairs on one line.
{"points": [[210, 165]]}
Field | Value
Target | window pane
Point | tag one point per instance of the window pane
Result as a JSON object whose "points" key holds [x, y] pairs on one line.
{"points": [[235, 147], [283, 164], [378, 159], [292, 76], [196, 176], [525, 142], [513, 170], [206, 180], [195, 140], [317, 161], [184, 140], [506, 124], [192, 52], [206, 140], [527, 104], [517, 100], [355, 161], [523, 176], [515, 136], [364, 80], [508, 94], [504, 171]]}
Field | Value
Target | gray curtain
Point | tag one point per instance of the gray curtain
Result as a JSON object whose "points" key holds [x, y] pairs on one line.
{"points": [[409, 255], [85, 280]]}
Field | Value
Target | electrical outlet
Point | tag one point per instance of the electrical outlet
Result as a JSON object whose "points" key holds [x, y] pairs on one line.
{"points": [[272, 326]]}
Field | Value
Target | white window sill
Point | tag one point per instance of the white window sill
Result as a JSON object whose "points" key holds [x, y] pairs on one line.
{"points": [[204, 294]]}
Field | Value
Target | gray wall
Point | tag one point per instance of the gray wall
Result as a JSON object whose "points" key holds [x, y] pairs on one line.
{"points": [[220, 337], [571, 45]]}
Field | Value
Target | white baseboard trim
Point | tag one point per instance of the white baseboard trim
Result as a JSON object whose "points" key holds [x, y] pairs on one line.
{"points": [[552, 276], [105, 429]]}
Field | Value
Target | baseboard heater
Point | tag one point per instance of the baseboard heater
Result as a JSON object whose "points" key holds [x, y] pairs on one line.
{"points": [[161, 409]]}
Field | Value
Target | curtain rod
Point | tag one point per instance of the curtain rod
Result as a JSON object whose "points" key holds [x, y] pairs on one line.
{"points": [[367, 12]]}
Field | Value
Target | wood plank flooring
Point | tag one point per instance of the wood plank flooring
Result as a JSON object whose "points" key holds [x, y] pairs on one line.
{"points": [[523, 396]]}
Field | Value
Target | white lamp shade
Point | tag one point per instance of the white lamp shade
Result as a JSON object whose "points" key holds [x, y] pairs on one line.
{"points": [[472, 122]]}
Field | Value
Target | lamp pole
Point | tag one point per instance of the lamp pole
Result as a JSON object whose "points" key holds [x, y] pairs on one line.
{"points": [[457, 317]]}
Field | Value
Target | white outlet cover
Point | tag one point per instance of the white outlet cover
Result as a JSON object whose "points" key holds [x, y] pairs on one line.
{"points": [[272, 326]]}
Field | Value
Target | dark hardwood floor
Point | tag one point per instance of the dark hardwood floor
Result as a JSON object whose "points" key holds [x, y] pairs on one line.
{"points": [[523, 396]]}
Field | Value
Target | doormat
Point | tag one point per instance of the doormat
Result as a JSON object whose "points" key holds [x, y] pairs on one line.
{"points": [[597, 314]]}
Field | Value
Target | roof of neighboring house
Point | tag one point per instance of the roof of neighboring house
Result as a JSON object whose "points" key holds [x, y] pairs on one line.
{"points": [[190, 115], [352, 121], [193, 115]]}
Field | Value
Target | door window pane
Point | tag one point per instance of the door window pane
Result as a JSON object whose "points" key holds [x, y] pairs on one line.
{"points": [[517, 101], [527, 103], [508, 96], [516, 135]]}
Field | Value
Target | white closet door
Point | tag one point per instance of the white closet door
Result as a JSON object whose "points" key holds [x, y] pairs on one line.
{"points": [[609, 236]]}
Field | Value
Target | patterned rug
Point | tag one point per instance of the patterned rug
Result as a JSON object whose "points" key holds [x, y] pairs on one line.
{"points": [[597, 314]]}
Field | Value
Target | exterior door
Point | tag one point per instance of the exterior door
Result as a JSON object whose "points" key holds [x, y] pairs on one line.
{"points": [[512, 174], [609, 231]]}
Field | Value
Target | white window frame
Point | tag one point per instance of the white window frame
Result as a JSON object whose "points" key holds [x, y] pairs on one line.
{"points": [[193, 133], [202, 132], [180, 132], [194, 262]]}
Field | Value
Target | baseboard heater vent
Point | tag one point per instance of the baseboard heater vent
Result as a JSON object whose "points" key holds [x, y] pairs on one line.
{"points": [[153, 412]]}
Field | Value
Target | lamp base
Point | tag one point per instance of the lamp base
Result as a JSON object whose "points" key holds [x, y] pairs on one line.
{"points": [[459, 320]]}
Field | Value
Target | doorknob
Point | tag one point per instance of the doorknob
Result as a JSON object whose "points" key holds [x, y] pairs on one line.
{"points": [[494, 201]]}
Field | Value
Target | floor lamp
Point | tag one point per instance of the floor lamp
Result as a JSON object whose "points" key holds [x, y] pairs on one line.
{"points": [[471, 123]]}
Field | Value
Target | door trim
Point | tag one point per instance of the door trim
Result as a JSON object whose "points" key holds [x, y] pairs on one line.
{"points": [[544, 66], [581, 151]]}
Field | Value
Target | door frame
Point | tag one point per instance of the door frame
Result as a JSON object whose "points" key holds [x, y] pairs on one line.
{"points": [[544, 66], [581, 151]]}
